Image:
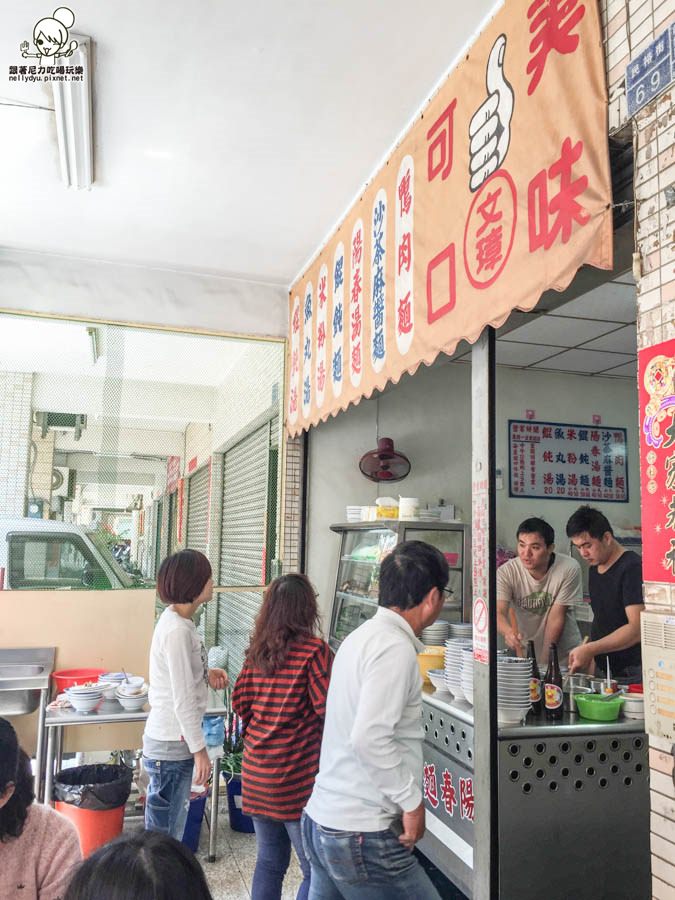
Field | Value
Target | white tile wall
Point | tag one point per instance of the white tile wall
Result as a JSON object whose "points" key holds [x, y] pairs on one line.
{"points": [[16, 391]]}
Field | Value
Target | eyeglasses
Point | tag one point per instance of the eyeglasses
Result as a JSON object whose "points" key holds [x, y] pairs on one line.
{"points": [[447, 593]]}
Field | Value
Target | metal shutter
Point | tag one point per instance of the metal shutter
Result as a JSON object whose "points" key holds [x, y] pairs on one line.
{"points": [[197, 537], [244, 522]]}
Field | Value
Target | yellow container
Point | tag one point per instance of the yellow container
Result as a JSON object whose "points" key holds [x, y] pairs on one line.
{"points": [[431, 658], [387, 512]]}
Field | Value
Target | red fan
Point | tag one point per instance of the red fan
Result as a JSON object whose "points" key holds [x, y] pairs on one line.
{"points": [[384, 464]]}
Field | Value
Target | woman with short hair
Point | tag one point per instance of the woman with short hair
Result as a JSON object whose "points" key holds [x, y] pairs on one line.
{"points": [[173, 741], [281, 698], [38, 846]]}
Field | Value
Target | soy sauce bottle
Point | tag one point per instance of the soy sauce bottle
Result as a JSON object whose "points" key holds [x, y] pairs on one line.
{"points": [[535, 681], [553, 686]]}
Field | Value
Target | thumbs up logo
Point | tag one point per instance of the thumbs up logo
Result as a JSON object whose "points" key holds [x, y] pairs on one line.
{"points": [[490, 126]]}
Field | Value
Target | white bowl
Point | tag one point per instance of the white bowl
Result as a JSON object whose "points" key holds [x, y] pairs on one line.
{"points": [[108, 689], [132, 690], [132, 704], [88, 704]]}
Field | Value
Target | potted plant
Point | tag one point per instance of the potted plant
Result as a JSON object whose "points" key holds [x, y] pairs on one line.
{"points": [[233, 752]]}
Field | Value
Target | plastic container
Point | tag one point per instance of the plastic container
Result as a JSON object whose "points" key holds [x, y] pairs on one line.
{"points": [[431, 658], [408, 508], [193, 823], [93, 798], [597, 709], [66, 678], [239, 821]]}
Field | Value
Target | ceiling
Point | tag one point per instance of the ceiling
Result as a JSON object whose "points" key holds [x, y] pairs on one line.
{"points": [[229, 137]]}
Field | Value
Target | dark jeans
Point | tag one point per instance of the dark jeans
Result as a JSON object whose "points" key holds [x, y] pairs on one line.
{"points": [[368, 865], [168, 797], [273, 840]]}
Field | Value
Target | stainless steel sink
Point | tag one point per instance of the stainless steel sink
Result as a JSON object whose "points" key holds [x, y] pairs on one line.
{"points": [[23, 674]]}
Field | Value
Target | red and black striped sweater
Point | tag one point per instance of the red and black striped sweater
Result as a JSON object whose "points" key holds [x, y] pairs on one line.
{"points": [[283, 718]]}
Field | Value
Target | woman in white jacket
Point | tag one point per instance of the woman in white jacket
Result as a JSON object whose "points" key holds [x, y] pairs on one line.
{"points": [[173, 742]]}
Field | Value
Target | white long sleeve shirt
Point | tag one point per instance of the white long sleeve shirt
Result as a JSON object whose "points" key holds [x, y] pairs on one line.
{"points": [[178, 682], [371, 754]]}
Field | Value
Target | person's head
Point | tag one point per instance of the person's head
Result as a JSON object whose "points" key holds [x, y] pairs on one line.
{"points": [[536, 541], [289, 611], [185, 577], [16, 783], [592, 535], [145, 865], [413, 578]]}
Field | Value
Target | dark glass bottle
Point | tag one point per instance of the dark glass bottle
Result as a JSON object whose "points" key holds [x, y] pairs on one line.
{"points": [[553, 686], [535, 681]]}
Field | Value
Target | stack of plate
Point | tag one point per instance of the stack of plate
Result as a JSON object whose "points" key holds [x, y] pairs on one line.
{"points": [[453, 665], [513, 689], [84, 697], [467, 673], [354, 513], [461, 630], [437, 634]]}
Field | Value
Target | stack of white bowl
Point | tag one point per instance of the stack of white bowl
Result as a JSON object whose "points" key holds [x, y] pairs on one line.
{"points": [[437, 634], [633, 706], [134, 696], [513, 689], [467, 673], [453, 665], [84, 697], [461, 630], [354, 513]]}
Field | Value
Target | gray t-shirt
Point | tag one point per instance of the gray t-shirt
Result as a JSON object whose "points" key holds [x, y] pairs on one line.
{"points": [[531, 601]]}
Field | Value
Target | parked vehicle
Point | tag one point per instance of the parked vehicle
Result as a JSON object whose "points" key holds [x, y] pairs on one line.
{"points": [[41, 554]]}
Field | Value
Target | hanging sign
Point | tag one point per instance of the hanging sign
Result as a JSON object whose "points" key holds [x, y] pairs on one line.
{"points": [[562, 461], [656, 382], [499, 191]]}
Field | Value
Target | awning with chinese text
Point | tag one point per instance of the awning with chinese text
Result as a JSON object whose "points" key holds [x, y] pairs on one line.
{"points": [[499, 191]]}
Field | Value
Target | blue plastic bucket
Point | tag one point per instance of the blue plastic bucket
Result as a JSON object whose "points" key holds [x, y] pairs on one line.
{"points": [[238, 820], [193, 824]]}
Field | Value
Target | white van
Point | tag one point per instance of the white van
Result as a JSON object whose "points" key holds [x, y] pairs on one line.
{"points": [[42, 554]]}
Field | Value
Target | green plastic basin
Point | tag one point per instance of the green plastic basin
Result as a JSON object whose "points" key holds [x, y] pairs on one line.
{"points": [[592, 706]]}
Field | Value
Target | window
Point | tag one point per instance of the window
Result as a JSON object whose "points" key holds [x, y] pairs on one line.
{"points": [[39, 562]]}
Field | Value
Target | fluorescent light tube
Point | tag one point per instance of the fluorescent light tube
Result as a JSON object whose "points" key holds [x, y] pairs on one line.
{"points": [[72, 108]]}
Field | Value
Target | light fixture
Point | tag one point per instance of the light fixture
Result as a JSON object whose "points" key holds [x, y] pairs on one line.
{"points": [[94, 344], [72, 108]]}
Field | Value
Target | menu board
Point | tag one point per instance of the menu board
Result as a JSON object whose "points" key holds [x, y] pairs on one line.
{"points": [[563, 461]]}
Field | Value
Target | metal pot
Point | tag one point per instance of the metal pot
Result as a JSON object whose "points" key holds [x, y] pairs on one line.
{"points": [[599, 686], [568, 698], [578, 680]]}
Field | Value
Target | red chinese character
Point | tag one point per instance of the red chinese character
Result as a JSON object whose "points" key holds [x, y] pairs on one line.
{"points": [[356, 358], [595, 435], [321, 376], [404, 253], [548, 456], [466, 798], [488, 210], [357, 286], [295, 362], [404, 195], [296, 319], [446, 281], [294, 400], [489, 249], [563, 206], [448, 793], [322, 291], [442, 142], [548, 478], [551, 23], [356, 322], [430, 785], [321, 334], [547, 432], [405, 315], [357, 248]]}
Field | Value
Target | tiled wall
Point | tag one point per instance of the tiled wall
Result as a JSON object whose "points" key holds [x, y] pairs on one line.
{"points": [[292, 504], [40, 468], [629, 26], [16, 390]]}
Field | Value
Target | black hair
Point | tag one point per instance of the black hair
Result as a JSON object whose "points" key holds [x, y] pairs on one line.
{"points": [[588, 519], [535, 525], [14, 769], [409, 572], [146, 865], [183, 576]]}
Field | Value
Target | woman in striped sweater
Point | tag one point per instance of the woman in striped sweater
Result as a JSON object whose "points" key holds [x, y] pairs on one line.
{"points": [[281, 698]]}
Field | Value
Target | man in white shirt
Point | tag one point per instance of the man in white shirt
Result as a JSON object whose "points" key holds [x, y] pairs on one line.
{"points": [[366, 811], [536, 593]]}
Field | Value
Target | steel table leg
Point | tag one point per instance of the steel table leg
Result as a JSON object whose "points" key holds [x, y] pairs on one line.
{"points": [[215, 787], [49, 768], [40, 751], [59, 749]]}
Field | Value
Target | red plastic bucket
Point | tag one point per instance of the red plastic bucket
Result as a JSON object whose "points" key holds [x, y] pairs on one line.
{"points": [[94, 827], [66, 678]]}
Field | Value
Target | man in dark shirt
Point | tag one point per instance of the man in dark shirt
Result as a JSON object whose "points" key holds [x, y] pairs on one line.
{"points": [[615, 586]]}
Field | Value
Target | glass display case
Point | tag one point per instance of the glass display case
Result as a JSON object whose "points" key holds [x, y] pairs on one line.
{"points": [[363, 545]]}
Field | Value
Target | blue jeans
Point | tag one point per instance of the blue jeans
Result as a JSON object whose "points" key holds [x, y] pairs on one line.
{"points": [[168, 797], [368, 865], [274, 841]]}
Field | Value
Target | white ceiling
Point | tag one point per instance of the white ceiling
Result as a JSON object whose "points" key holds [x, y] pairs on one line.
{"points": [[229, 137]]}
